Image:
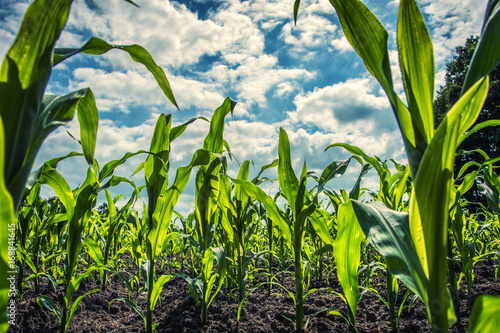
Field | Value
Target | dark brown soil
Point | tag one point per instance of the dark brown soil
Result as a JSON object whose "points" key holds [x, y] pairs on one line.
{"points": [[261, 313]]}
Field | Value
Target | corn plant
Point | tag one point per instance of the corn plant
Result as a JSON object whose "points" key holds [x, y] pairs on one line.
{"points": [[415, 245], [239, 225], [161, 201], [293, 227], [206, 201], [28, 115]]}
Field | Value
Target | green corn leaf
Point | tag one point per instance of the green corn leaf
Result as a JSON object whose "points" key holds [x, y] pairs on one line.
{"points": [[74, 284], [97, 46], [416, 59], [158, 287], [7, 223], [214, 141], [369, 39], [228, 210], [347, 249], [400, 189], [50, 305], [74, 306], [355, 192], [178, 130], [484, 317], [487, 54], [430, 197], [335, 169], [320, 225], [93, 250], [489, 190], [108, 168], [239, 192], [206, 197], [432, 185], [207, 177], [358, 152], [388, 231], [165, 205], [132, 3], [155, 168], [79, 219], [207, 264], [286, 176], [55, 111], [264, 168], [24, 74], [272, 210], [88, 117], [191, 286], [492, 122], [115, 180], [57, 182], [296, 6]]}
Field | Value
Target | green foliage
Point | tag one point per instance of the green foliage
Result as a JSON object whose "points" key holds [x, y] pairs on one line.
{"points": [[65, 240]]}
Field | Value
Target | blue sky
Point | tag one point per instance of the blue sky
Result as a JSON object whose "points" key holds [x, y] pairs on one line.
{"points": [[304, 78]]}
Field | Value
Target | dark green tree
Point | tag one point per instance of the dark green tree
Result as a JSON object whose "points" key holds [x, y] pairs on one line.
{"points": [[487, 139]]}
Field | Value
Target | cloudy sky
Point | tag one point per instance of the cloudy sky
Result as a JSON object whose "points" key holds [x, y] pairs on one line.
{"points": [[304, 78]]}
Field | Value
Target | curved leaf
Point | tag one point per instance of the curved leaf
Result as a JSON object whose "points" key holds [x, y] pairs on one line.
{"points": [[487, 54], [388, 231], [97, 46]]}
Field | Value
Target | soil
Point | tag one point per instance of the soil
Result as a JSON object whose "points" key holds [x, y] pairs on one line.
{"points": [[261, 313]]}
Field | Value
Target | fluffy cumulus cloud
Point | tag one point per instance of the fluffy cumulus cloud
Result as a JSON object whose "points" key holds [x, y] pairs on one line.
{"points": [[350, 106]]}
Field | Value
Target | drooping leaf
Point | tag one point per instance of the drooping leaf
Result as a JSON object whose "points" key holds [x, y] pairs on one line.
{"points": [[335, 169], [98, 46], [388, 231], [296, 6], [60, 186]]}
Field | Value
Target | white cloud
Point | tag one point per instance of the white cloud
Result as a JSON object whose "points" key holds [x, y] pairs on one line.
{"points": [[342, 44], [349, 106]]}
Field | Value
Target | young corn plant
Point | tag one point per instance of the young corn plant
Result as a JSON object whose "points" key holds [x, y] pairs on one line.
{"points": [[292, 228], [77, 214], [207, 192], [28, 115], [161, 201], [239, 225], [415, 244]]}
